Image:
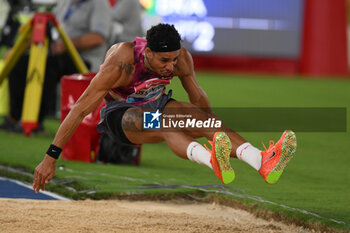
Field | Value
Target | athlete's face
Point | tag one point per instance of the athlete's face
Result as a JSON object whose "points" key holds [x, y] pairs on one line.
{"points": [[161, 62]]}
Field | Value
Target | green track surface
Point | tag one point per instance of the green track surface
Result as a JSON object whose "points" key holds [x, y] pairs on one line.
{"points": [[317, 180]]}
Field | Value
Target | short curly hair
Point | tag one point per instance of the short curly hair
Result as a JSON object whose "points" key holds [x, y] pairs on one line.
{"points": [[163, 34]]}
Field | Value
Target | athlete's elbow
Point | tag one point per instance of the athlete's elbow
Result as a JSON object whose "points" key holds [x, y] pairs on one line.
{"points": [[79, 113], [200, 99], [203, 103]]}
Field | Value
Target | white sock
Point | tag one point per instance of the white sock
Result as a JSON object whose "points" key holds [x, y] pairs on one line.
{"points": [[249, 154], [197, 153]]}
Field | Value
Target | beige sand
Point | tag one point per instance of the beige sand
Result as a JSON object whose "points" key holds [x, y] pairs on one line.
{"points": [[18, 215]]}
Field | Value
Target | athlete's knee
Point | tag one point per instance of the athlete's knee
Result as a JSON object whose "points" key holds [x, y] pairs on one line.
{"points": [[132, 120]]}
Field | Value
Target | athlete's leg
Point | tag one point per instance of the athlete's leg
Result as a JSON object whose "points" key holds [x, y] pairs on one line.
{"points": [[182, 144], [269, 163], [132, 127], [177, 139], [176, 107]]}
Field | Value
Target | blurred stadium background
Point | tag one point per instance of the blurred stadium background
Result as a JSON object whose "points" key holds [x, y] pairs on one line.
{"points": [[248, 53]]}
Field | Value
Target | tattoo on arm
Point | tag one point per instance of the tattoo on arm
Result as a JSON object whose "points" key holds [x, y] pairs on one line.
{"points": [[128, 68]]}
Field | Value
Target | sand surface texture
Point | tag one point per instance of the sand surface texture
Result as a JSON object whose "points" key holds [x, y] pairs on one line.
{"points": [[18, 215]]}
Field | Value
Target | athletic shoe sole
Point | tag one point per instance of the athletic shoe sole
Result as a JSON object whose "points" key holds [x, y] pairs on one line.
{"points": [[223, 149], [288, 149]]}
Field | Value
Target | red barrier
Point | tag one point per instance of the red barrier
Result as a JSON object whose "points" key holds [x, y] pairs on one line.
{"points": [[246, 64], [324, 48], [83, 145]]}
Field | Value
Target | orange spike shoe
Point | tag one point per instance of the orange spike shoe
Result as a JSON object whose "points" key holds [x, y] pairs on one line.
{"points": [[277, 156], [220, 157]]}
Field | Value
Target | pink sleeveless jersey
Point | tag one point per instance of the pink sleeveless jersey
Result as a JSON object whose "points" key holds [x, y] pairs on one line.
{"points": [[145, 86]]}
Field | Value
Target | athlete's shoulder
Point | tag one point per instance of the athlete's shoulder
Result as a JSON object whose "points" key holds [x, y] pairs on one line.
{"points": [[119, 61], [123, 51]]}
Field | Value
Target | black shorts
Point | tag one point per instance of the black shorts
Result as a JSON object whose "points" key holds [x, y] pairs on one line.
{"points": [[112, 115]]}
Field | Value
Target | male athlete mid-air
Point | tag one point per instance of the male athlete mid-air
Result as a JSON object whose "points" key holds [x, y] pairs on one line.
{"points": [[132, 80]]}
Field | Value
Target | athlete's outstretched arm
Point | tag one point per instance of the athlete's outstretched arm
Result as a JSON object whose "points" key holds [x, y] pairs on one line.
{"points": [[189, 81], [108, 77]]}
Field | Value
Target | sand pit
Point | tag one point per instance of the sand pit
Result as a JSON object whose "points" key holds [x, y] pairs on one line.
{"points": [[19, 215]]}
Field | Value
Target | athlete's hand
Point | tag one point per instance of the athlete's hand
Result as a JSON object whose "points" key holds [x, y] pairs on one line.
{"points": [[44, 173]]}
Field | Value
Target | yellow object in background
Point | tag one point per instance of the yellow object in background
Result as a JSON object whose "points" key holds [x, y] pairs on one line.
{"points": [[35, 82], [34, 31], [4, 94]]}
